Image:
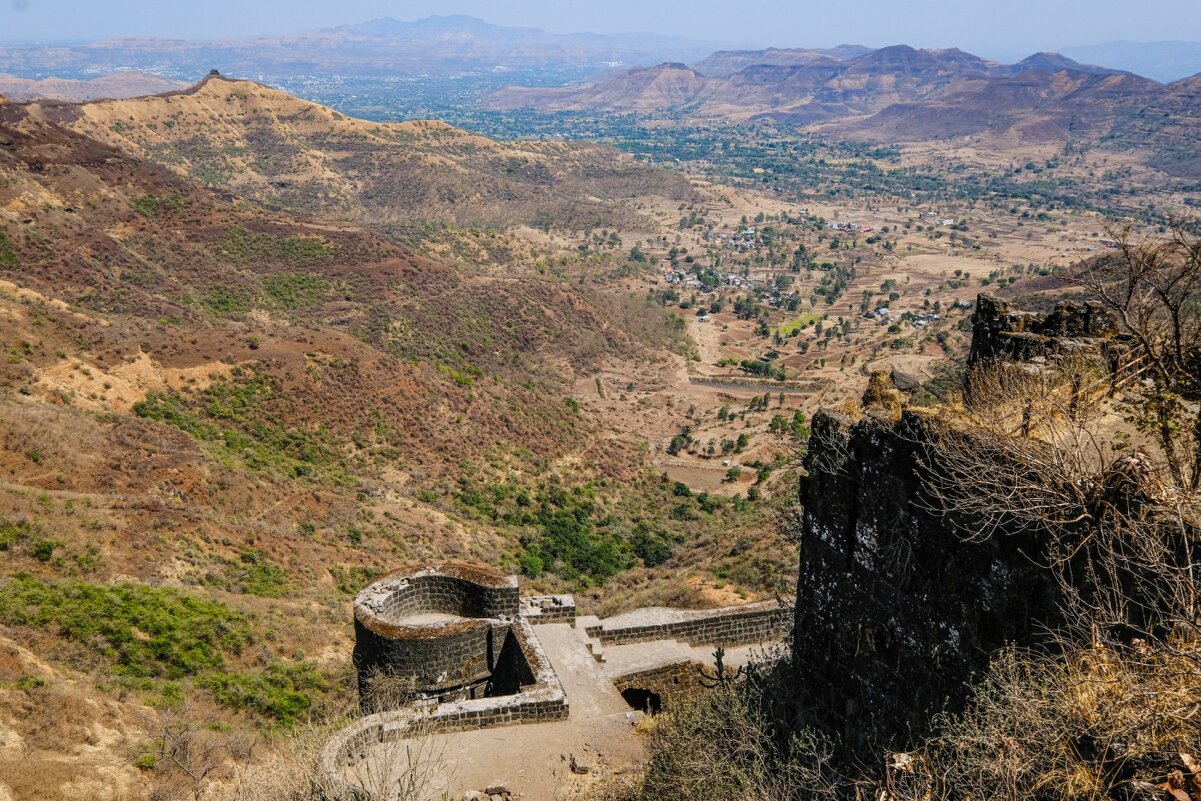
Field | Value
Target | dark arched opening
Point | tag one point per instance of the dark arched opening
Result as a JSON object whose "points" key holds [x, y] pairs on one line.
{"points": [[643, 700]]}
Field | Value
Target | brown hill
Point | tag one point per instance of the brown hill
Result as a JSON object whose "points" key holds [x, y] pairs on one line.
{"points": [[806, 86], [903, 94], [1033, 106], [249, 139], [115, 85], [648, 90], [725, 63]]}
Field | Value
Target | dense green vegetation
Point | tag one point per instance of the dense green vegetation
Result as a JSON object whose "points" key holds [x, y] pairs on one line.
{"points": [[283, 691], [143, 631], [152, 638], [589, 533], [152, 205], [234, 420], [8, 252], [296, 290], [242, 245]]}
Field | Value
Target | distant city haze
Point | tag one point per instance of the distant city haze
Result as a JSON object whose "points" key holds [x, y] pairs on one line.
{"points": [[1001, 30]]}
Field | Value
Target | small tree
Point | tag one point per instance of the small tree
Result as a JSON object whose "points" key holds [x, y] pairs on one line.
{"points": [[1152, 288]]}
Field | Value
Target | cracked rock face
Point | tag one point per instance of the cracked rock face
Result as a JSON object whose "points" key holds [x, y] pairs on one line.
{"points": [[896, 610]]}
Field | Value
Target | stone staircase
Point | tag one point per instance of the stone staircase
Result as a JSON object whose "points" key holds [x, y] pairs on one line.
{"points": [[582, 624]]}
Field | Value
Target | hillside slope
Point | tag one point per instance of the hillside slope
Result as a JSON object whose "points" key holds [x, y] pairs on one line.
{"points": [[218, 420], [251, 140], [115, 85]]}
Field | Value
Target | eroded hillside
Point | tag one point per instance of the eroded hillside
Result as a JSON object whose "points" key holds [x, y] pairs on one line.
{"points": [[220, 419], [249, 139]]}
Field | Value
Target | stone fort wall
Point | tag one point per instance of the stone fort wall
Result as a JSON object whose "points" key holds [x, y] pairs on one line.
{"points": [[728, 625], [460, 652], [538, 698]]}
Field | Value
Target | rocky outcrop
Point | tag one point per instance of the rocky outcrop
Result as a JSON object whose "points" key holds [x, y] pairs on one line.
{"points": [[897, 610], [999, 332]]}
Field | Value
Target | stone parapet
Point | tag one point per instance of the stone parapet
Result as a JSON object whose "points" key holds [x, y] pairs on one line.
{"points": [[727, 625], [548, 609], [540, 700]]}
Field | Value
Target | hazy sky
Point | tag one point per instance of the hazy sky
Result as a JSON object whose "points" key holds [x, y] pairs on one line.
{"points": [[994, 27]]}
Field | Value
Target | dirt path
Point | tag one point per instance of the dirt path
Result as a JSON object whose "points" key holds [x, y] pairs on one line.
{"points": [[532, 760]]}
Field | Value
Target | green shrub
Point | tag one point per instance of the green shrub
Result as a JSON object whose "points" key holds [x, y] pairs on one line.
{"points": [[282, 691], [531, 564], [8, 251], [242, 245], [296, 290], [43, 550], [650, 547], [265, 580], [10, 533], [143, 631], [350, 579]]}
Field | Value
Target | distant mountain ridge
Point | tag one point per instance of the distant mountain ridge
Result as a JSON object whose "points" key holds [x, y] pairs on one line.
{"points": [[379, 47], [115, 86], [900, 93], [1162, 61], [804, 85]]}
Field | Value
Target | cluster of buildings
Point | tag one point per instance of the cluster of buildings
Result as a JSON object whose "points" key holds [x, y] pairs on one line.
{"points": [[683, 278], [850, 228], [741, 241]]}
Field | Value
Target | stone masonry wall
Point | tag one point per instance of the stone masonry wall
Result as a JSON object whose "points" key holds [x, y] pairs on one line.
{"points": [[457, 655], [999, 332], [672, 683], [729, 625], [548, 609], [434, 656], [539, 699], [896, 610]]}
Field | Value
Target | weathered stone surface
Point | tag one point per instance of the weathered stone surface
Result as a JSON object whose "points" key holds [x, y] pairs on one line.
{"points": [[906, 382], [461, 652], [896, 610], [999, 332]]}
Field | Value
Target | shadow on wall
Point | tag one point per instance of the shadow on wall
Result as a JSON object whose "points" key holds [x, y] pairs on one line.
{"points": [[512, 670]]}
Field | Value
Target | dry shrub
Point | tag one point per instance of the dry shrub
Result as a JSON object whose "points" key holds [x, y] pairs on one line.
{"points": [[729, 744], [1097, 722], [882, 396]]}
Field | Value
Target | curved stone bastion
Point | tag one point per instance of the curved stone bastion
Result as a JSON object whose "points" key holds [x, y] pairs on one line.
{"points": [[466, 649], [445, 631], [345, 760]]}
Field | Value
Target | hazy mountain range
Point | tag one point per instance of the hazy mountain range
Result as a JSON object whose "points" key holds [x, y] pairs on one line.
{"points": [[900, 93], [1163, 61], [382, 47]]}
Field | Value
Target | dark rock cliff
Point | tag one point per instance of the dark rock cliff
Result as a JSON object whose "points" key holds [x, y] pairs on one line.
{"points": [[999, 332], [896, 609]]}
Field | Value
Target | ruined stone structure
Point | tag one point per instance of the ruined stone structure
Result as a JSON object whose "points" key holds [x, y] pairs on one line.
{"points": [[548, 609], [896, 610], [538, 700], [1005, 334], [447, 629], [729, 625], [464, 641]]}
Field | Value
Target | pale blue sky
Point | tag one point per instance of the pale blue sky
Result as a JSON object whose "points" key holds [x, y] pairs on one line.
{"points": [[996, 27]]}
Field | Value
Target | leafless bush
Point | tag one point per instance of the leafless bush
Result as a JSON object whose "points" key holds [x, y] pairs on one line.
{"points": [[388, 691], [1152, 288], [1094, 723]]}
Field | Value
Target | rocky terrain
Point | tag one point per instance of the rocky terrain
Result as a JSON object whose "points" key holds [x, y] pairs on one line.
{"points": [[901, 94], [114, 85]]}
